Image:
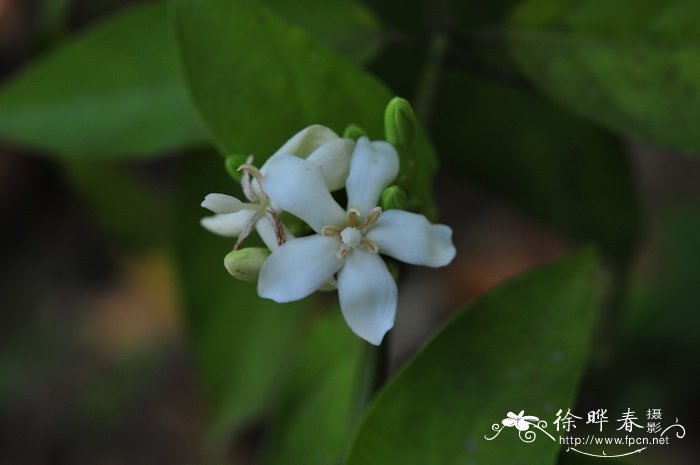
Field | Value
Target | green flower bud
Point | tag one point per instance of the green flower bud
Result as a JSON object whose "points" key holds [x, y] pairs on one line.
{"points": [[232, 163], [393, 197], [354, 132], [244, 264], [399, 123]]}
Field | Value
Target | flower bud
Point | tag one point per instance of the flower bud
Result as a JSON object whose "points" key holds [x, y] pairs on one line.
{"points": [[244, 264], [232, 163], [393, 197], [222, 203], [354, 132], [399, 123]]}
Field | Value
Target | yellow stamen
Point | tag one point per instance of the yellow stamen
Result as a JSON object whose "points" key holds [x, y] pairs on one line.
{"points": [[352, 216]]}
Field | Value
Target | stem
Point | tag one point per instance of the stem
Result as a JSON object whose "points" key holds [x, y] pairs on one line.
{"points": [[467, 54], [371, 376], [610, 328], [424, 100]]}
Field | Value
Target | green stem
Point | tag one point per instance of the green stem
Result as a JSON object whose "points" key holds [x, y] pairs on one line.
{"points": [[424, 100], [370, 378]]}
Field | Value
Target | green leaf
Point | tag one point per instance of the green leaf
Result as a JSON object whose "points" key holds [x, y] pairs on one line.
{"points": [[257, 79], [630, 65], [113, 91], [241, 343], [557, 167], [313, 420], [346, 26], [522, 347]]}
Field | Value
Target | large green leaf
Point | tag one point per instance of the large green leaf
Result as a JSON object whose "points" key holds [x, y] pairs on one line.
{"points": [[116, 90], [551, 164], [631, 65], [256, 80], [522, 347], [240, 342], [112, 91]]}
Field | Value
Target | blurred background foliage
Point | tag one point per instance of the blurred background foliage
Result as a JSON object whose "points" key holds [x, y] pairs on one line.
{"points": [[555, 123]]}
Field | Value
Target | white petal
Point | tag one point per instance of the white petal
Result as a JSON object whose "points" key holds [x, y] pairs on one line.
{"points": [[222, 203], [334, 160], [374, 165], [298, 268], [509, 422], [522, 425], [227, 224], [297, 186], [267, 233], [411, 238], [367, 295], [304, 142]]}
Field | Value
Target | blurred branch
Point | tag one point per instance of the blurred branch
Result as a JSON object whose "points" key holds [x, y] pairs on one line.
{"points": [[467, 53], [430, 76]]}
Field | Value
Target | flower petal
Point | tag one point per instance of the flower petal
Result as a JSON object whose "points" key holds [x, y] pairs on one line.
{"points": [[298, 268], [373, 166], [297, 186], [304, 142], [227, 224], [222, 203], [411, 238], [368, 295], [334, 160], [509, 422]]}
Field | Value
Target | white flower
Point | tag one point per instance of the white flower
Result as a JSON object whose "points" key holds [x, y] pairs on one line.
{"points": [[233, 218], [348, 242], [520, 421]]}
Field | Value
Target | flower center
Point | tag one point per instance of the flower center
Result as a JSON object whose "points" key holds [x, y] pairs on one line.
{"points": [[353, 235]]}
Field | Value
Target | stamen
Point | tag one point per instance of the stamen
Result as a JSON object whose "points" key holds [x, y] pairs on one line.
{"points": [[330, 231], [343, 251], [258, 177], [352, 216], [245, 182], [246, 231], [276, 225], [372, 218], [369, 246]]}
